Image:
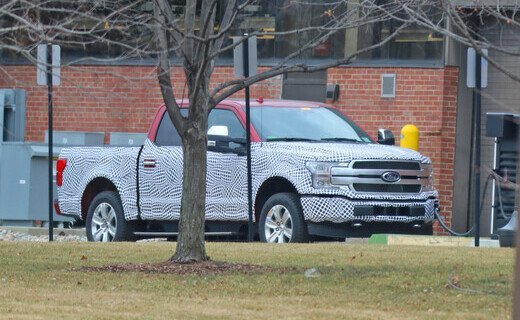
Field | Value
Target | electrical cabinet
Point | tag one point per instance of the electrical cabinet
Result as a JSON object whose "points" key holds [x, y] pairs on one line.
{"points": [[24, 188], [128, 139], [504, 128], [12, 114], [75, 138]]}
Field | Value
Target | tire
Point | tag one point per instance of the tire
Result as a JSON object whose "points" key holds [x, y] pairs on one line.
{"points": [[107, 210], [272, 227]]}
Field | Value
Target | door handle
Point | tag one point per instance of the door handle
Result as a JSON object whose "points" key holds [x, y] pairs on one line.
{"points": [[149, 163]]}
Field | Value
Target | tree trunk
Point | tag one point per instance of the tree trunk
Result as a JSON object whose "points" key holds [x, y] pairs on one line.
{"points": [[190, 243]]}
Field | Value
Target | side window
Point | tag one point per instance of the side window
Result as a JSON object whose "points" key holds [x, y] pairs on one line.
{"points": [[166, 133], [222, 117], [168, 136]]}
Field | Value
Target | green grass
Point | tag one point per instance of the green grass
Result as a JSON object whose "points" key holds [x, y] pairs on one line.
{"points": [[357, 282]]}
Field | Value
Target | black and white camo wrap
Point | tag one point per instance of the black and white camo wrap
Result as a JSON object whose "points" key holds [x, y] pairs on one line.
{"points": [[318, 209], [84, 164], [161, 187], [288, 160], [226, 198]]}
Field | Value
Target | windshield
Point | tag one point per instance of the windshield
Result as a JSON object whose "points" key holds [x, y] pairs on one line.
{"points": [[305, 124]]}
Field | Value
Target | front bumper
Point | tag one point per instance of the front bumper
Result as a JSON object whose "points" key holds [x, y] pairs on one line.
{"points": [[339, 210]]}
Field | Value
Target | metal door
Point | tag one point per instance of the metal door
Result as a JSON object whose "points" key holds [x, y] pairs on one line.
{"points": [[310, 86]]}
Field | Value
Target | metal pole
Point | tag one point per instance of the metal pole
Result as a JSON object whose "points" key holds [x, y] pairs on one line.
{"points": [[51, 156], [248, 145], [476, 164]]}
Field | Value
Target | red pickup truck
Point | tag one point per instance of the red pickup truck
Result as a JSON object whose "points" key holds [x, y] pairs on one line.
{"points": [[314, 172]]}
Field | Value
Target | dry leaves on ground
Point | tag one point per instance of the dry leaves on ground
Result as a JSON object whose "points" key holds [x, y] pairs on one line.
{"points": [[199, 268]]}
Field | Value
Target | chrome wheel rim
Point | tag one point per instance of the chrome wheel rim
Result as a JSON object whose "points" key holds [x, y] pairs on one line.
{"points": [[104, 223], [278, 225]]}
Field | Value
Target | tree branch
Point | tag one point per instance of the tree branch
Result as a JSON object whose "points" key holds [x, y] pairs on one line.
{"points": [[163, 72], [239, 84]]}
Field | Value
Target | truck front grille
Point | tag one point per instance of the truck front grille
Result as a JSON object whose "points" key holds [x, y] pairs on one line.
{"points": [[367, 176], [388, 165]]}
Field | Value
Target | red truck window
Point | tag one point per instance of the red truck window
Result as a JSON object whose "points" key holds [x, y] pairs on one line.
{"points": [[223, 117], [167, 135]]}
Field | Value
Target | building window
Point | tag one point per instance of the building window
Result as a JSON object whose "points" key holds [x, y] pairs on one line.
{"points": [[285, 16], [120, 40], [414, 43]]}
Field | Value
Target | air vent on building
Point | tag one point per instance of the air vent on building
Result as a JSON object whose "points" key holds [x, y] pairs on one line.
{"points": [[388, 85]]}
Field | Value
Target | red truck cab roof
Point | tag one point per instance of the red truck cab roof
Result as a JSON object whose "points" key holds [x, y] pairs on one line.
{"points": [[279, 103]]}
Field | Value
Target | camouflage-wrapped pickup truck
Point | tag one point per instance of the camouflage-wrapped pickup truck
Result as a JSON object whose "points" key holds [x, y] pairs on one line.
{"points": [[315, 172]]}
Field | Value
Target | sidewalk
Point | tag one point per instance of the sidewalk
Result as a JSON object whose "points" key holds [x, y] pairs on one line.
{"points": [[37, 231], [436, 241]]}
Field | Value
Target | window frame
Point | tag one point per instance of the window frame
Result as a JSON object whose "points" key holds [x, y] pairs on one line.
{"points": [[163, 113]]}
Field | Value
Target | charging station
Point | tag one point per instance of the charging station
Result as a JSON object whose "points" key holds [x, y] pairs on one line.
{"points": [[503, 127]]}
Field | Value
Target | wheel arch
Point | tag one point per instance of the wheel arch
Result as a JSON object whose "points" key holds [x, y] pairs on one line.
{"points": [[93, 188], [270, 187]]}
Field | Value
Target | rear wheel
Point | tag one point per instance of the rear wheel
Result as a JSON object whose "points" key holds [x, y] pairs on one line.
{"points": [[106, 221], [281, 220]]}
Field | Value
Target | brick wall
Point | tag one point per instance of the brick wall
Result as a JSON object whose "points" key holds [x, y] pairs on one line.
{"points": [[107, 99], [120, 98]]}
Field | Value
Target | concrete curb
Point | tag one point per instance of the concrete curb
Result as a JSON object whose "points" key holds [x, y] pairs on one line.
{"points": [[36, 231], [432, 241]]}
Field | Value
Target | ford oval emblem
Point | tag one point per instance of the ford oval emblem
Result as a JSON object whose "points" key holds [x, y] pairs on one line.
{"points": [[391, 176]]}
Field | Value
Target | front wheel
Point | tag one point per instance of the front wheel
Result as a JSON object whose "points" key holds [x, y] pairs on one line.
{"points": [[281, 220], [106, 221]]}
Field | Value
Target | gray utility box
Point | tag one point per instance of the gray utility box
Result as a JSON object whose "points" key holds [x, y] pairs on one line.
{"points": [[12, 114], [75, 138], [127, 139], [24, 187]]}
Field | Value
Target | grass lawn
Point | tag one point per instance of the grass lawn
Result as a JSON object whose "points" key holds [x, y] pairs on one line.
{"points": [[356, 282]]}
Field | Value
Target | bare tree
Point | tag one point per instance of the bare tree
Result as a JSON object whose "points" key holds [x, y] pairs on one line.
{"points": [[199, 45], [197, 33]]}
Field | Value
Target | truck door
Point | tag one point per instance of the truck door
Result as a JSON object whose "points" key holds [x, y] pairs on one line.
{"points": [[226, 193], [160, 173]]}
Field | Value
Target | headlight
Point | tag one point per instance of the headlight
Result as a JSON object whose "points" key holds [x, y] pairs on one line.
{"points": [[321, 173]]}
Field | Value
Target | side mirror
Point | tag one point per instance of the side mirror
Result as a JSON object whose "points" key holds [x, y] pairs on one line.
{"points": [[386, 137], [218, 131]]}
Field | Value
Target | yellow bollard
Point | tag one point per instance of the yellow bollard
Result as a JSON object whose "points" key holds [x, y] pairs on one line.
{"points": [[410, 137]]}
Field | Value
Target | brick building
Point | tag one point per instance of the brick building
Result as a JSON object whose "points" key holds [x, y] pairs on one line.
{"points": [[429, 75], [130, 103]]}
